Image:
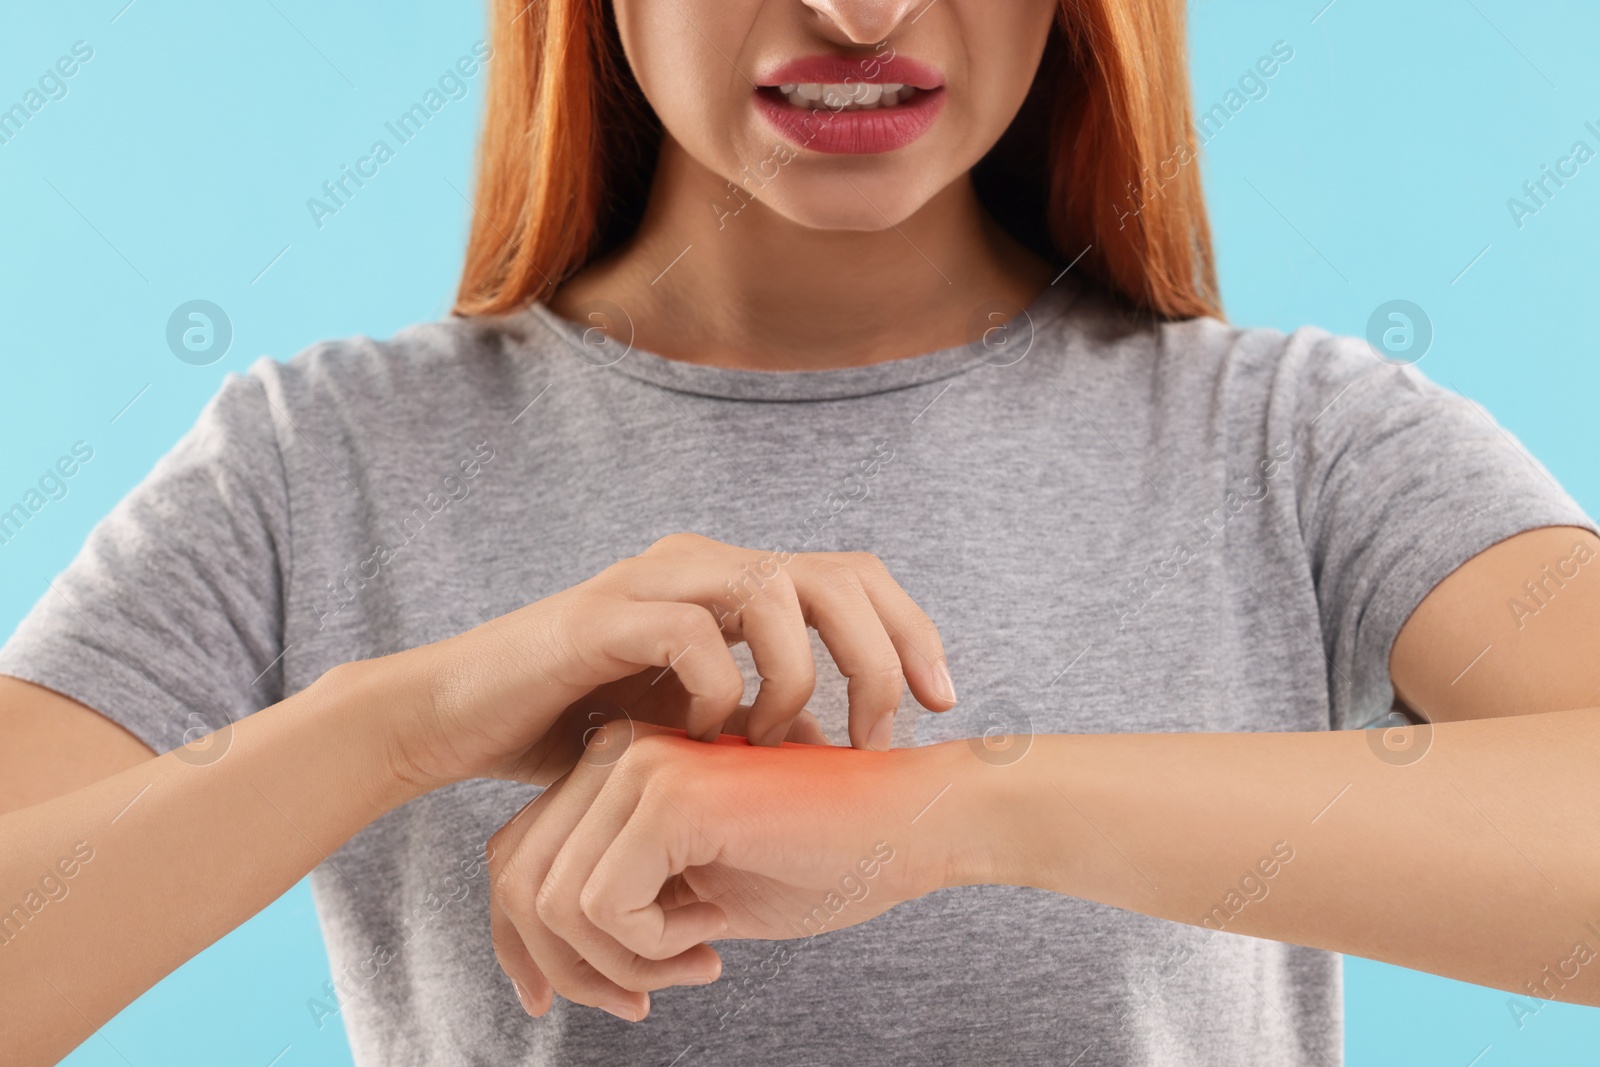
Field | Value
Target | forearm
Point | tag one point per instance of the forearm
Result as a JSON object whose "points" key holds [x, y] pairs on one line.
{"points": [[168, 856], [1479, 861]]}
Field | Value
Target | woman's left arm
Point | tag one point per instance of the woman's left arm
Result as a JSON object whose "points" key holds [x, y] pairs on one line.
{"points": [[1468, 848], [1515, 630]]}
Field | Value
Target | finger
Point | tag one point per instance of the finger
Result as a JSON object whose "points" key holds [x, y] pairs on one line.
{"points": [[916, 638], [910, 631], [565, 899], [542, 825], [774, 627], [677, 635], [806, 730], [751, 599], [527, 888], [624, 894], [571, 975], [534, 990], [836, 603]]}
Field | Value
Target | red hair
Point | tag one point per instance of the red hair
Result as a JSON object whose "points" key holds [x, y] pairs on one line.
{"points": [[1100, 167]]}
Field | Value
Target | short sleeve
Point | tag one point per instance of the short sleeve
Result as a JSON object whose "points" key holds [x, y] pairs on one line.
{"points": [[169, 620], [1399, 481]]}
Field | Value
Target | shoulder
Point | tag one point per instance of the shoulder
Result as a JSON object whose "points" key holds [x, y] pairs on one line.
{"points": [[1190, 382], [1267, 354], [1112, 334], [1243, 363], [424, 365], [360, 410]]}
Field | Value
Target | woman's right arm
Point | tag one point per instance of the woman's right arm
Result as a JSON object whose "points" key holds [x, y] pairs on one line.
{"points": [[117, 866], [109, 885]]}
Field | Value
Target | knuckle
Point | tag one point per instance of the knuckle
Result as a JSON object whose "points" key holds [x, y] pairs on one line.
{"points": [[794, 681], [802, 676], [630, 772], [773, 592], [612, 733], [866, 561], [550, 906], [780, 586], [678, 543], [634, 976], [622, 572], [516, 897], [886, 674], [596, 905], [663, 544], [692, 621], [729, 689], [650, 748], [510, 883], [644, 767], [841, 579]]}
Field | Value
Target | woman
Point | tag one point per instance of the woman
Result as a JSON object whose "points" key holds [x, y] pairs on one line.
{"points": [[784, 316]]}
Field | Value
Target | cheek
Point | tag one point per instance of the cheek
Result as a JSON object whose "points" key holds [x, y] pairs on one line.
{"points": [[990, 53], [684, 55], [1003, 45]]}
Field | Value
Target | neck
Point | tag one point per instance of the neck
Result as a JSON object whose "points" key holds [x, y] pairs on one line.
{"points": [[757, 291]]}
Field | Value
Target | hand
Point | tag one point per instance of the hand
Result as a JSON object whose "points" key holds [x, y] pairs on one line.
{"points": [[518, 696], [607, 884]]}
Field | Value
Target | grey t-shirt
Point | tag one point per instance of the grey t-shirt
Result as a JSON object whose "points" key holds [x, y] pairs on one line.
{"points": [[1117, 526]]}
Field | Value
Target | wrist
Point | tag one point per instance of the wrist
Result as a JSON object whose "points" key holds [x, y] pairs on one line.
{"points": [[373, 707], [994, 823], [966, 818]]}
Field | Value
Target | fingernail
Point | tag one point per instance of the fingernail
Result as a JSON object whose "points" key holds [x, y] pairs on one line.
{"points": [[622, 1010], [702, 979], [942, 685], [776, 735], [882, 732], [522, 995]]}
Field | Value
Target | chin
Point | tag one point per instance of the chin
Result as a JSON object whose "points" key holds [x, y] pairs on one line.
{"points": [[858, 204]]}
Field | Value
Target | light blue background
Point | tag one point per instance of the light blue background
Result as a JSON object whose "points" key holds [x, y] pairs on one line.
{"points": [[178, 166]]}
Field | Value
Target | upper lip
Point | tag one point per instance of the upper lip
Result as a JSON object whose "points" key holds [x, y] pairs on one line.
{"points": [[840, 70]]}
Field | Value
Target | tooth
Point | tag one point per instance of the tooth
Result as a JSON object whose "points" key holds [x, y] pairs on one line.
{"points": [[869, 95], [809, 90], [890, 98], [799, 101], [786, 88], [891, 87]]}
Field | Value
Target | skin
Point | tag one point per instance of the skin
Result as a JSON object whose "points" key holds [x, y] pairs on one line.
{"points": [[185, 849], [851, 235], [563, 927]]}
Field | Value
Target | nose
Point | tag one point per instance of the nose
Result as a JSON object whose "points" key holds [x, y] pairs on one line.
{"points": [[866, 21]]}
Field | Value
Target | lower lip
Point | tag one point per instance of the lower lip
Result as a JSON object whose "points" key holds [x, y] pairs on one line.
{"points": [[857, 132]]}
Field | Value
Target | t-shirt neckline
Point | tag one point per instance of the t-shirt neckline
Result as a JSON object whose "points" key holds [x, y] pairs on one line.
{"points": [[835, 383]]}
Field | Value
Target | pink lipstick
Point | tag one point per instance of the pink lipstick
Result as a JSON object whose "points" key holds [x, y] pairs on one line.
{"points": [[839, 105]]}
